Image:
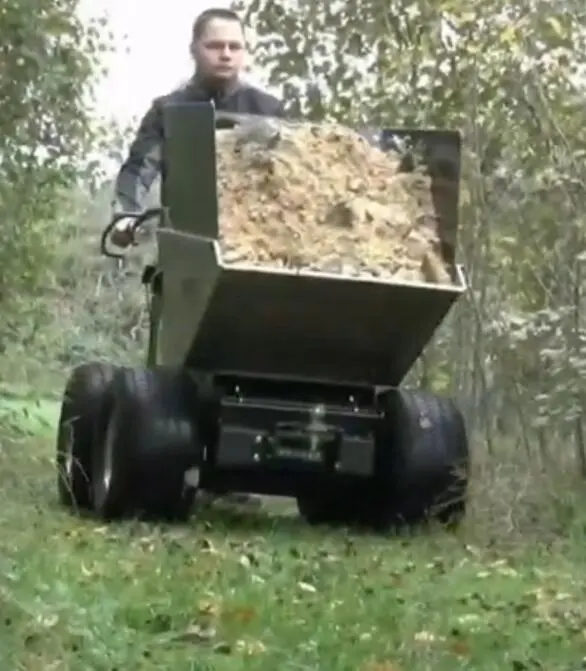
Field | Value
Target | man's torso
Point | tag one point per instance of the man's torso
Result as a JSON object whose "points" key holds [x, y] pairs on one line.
{"points": [[241, 99], [143, 164]]}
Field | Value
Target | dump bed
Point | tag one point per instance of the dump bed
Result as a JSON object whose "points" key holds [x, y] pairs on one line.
{"points": [[287, 323]]}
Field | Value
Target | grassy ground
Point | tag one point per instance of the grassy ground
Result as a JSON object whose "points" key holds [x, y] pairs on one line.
{"points": [[261, 591]]}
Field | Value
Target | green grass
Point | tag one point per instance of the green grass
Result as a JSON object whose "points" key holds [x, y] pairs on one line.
{"points": [[261, 591]]}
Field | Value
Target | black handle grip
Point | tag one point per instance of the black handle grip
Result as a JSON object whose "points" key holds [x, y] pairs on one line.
{"points": [[139, 219]]}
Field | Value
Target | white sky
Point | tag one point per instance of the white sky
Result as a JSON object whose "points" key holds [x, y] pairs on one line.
{"points": [[157, 37]]}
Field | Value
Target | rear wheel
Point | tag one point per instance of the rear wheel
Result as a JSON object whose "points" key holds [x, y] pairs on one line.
{"points": [[421, 470], [149, 443], [422, 461], [83, 398]]}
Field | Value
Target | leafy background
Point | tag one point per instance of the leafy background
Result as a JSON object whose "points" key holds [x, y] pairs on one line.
{"points": [[508, 74], [231, 590]]}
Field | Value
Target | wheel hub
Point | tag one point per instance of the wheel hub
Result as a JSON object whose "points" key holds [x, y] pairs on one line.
{"points": [[108, 457], [68, 461]]}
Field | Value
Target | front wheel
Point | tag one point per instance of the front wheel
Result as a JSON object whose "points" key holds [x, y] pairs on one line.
{"points": [[83, 399], [149, 443]]}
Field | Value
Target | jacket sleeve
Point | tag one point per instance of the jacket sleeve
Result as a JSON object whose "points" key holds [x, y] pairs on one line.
{"points": [[280, 112], [143, 164]]}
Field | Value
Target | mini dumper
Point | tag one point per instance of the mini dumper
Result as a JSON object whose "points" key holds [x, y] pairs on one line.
{"points": [[275, 382]]}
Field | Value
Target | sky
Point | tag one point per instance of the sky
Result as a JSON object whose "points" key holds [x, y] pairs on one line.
{"points": [[152, 42]]}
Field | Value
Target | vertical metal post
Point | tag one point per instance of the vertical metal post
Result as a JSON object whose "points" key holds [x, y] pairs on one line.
{"points": [[188, 184]]}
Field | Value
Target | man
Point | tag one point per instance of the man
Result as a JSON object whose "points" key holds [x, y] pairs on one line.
{"points": [[218, 49]]}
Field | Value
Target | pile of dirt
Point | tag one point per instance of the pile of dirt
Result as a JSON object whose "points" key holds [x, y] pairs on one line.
{"points": [[322, 198]]}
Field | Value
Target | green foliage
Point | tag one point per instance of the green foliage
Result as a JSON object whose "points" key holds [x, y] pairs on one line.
{"points": [[509, 74], [97, 308], [506, 73], [49, 64]]}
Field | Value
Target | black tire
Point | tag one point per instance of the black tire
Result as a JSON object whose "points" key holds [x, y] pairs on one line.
{"points": [[150, 441], [421, 470], [82, 399], [422, 461]]}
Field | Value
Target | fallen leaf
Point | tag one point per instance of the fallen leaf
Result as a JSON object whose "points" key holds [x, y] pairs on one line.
{"points": [[425, 637], [207, 546], [244, 561], [499, 562], [195, 633], [243, 614], [208, 609], [469, 618], [85, 571], [147, 544], [556, 26], [472, 550], [459, 648], [48, 621], [380, 666], [91, 572], [250, 647]]}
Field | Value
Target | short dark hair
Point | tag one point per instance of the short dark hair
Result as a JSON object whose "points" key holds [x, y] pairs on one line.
{"points": [[202, 21]]}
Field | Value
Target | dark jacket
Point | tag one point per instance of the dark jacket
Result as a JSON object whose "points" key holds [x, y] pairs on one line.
{"points": [[143, 164]]}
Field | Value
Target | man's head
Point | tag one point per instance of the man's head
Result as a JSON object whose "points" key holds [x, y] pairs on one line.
{"points": [[218, 46]]}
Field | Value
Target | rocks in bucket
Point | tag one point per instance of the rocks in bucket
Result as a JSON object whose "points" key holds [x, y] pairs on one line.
{"points": [[319, 197]]}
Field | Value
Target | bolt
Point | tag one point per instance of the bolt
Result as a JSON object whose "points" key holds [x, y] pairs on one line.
{"points": [[318, 411]]}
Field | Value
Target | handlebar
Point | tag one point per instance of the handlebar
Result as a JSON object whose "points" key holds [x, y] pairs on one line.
{"points": [[224, 120], [139, 219]]}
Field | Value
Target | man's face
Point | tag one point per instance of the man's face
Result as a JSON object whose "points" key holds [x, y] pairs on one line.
{"points": [[220, 52]]}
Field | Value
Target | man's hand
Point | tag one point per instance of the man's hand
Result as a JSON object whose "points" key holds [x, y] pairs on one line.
{"points": [[122, 234]]}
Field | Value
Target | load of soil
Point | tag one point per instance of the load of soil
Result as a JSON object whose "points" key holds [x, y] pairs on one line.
{"points": [[322, 198]]}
